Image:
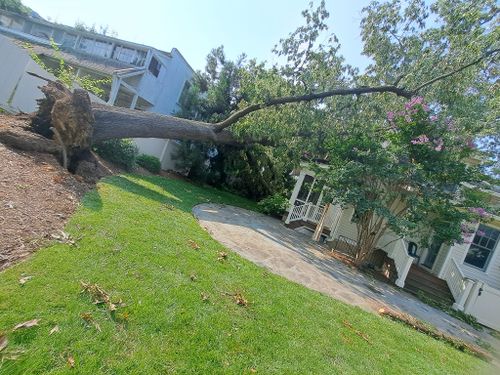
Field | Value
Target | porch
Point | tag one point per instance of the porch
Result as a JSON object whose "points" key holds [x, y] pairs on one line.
{"points": [[442, 272]]}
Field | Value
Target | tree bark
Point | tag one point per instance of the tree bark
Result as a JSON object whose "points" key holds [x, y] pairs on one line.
{"points": [[77, 123], [16, 136], [115, 122]]}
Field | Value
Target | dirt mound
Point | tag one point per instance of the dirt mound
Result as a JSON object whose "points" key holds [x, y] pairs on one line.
{"points": [[37, 196]]}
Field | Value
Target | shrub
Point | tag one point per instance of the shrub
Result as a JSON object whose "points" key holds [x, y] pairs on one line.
{"points": [[274, 205], [150, 163], [119, 151]]}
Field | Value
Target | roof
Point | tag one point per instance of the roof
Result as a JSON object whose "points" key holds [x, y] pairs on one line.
{"points": [[71, 29], [102, 65]]}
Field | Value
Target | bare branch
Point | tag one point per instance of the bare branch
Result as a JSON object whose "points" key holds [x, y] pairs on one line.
{"points": [[458, 70], [309, 97], [399, 91]]}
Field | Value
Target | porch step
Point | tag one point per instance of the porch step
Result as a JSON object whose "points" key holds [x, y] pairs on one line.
{"points": [[420, 280], [307, 224]]}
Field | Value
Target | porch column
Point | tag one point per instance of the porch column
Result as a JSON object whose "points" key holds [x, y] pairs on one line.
{"points": [[298, 185], [469, 297], [134, 101], [295, 193], [321, 224], [404, 272], [115, 87]]}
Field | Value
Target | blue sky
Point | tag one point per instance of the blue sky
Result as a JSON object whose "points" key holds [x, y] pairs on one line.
{"points": [[196, 26]]}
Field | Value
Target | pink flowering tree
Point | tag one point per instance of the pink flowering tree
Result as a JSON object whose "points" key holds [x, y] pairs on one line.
{"points": [[406, 175]]}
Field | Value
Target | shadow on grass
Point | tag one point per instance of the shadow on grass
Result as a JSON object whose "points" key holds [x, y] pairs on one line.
{"points": [[92, 200], [183, 195]]}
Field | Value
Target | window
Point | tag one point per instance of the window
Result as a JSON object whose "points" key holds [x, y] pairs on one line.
{"points": [[86, 44], [41, 31], [185, 88], [154, 67], [129, 56], [140, 58], [124, 54], [69, 41], [482, 247], [102, 49]]}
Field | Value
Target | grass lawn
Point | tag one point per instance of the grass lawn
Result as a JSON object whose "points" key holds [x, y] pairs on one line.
{"points": [[135, 234]]}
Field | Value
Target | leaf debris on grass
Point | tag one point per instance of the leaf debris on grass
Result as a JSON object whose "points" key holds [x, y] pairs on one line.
{"points": [[364, 336], [27, 324], [238, 298], [55, 329], [23, 280], [70, 361], [3, 342], [89, 320], [194, 245], [435, 333], [169, 206], [221, 256], [100, 296], [205, 297], [64, 237]]}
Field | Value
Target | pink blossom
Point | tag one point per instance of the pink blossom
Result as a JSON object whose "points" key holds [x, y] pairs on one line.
{"points": [[467, 233], [390, 116], [414, 101], [433, 118], [480, 233], [420, 140], [479, 211]]}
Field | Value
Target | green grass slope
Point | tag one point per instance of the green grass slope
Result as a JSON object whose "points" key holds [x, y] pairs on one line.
{"points": [[135, 234]]}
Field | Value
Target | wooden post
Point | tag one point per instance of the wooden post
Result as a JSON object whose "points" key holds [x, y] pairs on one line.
{"points": [[321, 223]]}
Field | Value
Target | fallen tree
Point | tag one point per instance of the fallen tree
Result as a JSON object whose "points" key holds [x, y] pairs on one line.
{"points": [[76, 123], [70, 123]]}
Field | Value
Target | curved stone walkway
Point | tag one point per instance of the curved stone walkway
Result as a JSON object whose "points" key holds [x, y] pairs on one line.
{"points": [[268, 243]]}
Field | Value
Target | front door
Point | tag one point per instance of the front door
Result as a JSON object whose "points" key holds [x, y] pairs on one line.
{"points": [[432, 254]]}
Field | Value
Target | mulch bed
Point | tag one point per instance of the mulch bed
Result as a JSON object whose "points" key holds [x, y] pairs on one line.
{"points": [[37, 196]]}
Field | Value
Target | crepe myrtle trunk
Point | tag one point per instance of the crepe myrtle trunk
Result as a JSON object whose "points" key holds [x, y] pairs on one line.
{"points": [[369, 233]]}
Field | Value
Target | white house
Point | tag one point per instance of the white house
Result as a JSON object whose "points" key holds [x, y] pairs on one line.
{"points": [[469, 273], [142, 77]]}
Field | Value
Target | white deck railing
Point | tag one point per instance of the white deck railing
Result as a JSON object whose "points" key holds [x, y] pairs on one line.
{"points": [[306, 212], [314, 213], [396, 250], [297, 212], [459, 285]]}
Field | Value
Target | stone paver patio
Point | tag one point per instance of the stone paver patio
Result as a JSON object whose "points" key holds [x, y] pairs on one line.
{"points": [[268, 243]]}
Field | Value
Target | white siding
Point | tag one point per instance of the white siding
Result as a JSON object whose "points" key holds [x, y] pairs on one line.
{"points": [[490, 276], [19, 90], [440, 259], [345, 227]]}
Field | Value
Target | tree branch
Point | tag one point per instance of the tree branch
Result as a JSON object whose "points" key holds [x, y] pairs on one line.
{"points": [[399, 91], [458, 70], [309, 97]]}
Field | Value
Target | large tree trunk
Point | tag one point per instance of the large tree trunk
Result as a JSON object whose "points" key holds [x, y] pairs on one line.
{"points": [[116, 122], [75, 123]]}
